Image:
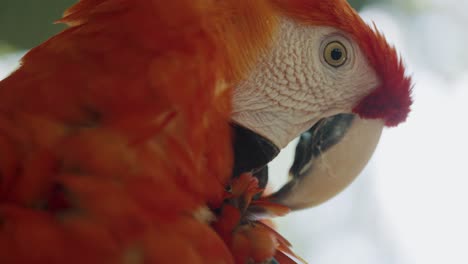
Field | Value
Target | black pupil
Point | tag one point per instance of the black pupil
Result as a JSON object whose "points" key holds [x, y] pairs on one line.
{"points": [[336, 54]]}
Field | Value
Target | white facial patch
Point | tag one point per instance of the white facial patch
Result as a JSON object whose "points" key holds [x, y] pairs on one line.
{"points": [[292, 86]]}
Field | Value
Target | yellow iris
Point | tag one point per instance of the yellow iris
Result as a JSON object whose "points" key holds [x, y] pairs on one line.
{"points": [[335, 54]]}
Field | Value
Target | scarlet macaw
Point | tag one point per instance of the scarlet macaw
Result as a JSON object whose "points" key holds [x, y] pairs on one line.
{"points": [[141, 133]]}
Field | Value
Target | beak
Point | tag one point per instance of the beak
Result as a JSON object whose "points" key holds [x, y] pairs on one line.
{"points": [[252, 153], [329, 156]]}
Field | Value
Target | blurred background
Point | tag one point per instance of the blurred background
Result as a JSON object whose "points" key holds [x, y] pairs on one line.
{"points": [[409, 206]]}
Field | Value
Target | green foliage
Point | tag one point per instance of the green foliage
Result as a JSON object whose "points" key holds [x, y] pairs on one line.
{"points": [[26, 23], [358, 4], [5, 48]]}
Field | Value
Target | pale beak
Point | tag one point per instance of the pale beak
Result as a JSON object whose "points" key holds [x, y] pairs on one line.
{"points": [[329, 156]]}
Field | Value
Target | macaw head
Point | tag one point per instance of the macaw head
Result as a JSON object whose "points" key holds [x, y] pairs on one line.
{"points": [[328, 77]]}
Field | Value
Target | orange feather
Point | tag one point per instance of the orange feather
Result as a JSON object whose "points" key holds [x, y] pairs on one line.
{"points": [[118, 130], [115, 137]]}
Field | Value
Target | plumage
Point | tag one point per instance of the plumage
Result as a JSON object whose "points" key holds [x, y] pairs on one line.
{"points": [[113, 154], [115, 137]]}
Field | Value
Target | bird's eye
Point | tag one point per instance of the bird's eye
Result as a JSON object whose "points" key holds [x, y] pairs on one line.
{"points": [[335, 54]]}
